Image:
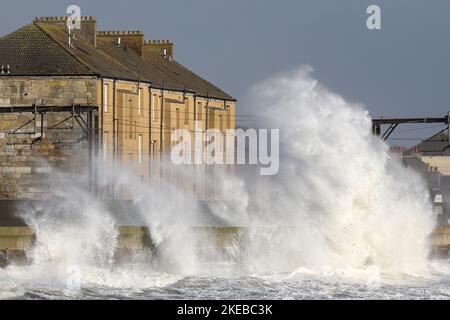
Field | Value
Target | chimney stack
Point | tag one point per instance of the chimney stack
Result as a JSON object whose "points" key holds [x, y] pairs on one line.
{"points": [[130, 39], [87, 31], [165, 47]]}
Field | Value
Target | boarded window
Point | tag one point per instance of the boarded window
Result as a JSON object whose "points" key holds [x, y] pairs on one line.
{"points": [[105, 145], [229, 118], [140, 148], [211, 120], [139, 106], [199, 111], [123, 118], [167, 115], [177, 118], [154, 107], [105, 97], [130, 121], [186, 111]]}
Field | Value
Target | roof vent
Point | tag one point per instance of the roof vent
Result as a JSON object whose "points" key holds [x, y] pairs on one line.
{"points": [[71, 36], [5, 69]]}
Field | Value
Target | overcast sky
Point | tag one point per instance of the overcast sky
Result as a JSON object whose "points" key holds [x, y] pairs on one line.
{"points": [[401, 70]]}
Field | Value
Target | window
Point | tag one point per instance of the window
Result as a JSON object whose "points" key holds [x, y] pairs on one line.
{"points": [[124, 112], [167, 114], [211, 120], [177, 118], [186, 111], [199, 111], [139, 101], [140, 149], [229, 118], [154, 103], [105, 98], [130, 123], [105, 144]]}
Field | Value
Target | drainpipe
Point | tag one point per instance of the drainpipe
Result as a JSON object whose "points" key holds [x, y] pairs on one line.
{"points": [[206, 129], [90, 144], [42, 125], [207, 111], [101, 114], [114, 137], [195, 108], [102, 106], [150, 144], [161, 125], [193, 143]]}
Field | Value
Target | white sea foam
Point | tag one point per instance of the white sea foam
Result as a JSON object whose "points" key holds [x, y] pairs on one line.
{"points": [[351, 203]]}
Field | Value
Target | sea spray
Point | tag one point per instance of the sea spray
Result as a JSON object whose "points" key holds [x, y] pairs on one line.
{"points": [[168, 209], [73, 230], [339, 203], [346, 202]]}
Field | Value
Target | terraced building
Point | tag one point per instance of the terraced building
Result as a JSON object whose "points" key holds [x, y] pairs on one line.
{"points": [[67, 96]]}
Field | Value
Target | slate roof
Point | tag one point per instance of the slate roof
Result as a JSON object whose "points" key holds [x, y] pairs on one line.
{"points": [[179, 73], [29, 51], [94, 59], [42, 49], [435, 145]]}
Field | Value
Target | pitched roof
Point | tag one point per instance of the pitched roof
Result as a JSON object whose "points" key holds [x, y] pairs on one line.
{"points": [[143, 69], [437, 144], [30, 51], [42, 49], [183, 75], [95, 60]]}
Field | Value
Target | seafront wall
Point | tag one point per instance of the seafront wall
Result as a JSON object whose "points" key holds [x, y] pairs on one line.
{"points": [[15, 241], [440, 241]]}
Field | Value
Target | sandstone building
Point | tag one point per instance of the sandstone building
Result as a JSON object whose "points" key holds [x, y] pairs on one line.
{"points": [[66, 97]]}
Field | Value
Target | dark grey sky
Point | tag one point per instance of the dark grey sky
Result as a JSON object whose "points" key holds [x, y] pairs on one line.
{"points": [[401, 70]]}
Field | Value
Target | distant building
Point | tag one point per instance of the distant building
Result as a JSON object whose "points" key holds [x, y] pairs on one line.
{"points": [[68, 96], [433, 157], [397, 149], [435, 152]]}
